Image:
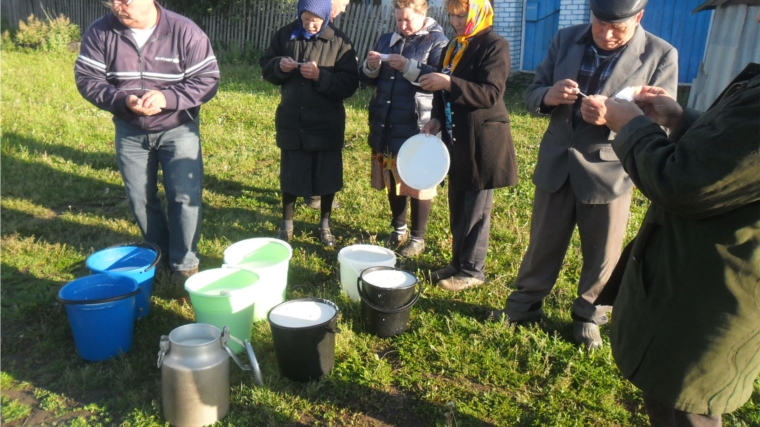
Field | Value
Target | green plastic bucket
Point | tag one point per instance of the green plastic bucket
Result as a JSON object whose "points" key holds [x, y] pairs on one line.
{"points": [[269, 259], [224, 297]]}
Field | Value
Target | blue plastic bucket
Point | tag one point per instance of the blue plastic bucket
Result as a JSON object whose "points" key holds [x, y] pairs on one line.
{"points": [[101, 311], [136, 260]]}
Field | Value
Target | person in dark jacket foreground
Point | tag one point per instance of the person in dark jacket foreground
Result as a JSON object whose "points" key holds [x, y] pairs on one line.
{"points": [[469, 110], [315, 66], [152, 69], [397, 111], [686, 328]]}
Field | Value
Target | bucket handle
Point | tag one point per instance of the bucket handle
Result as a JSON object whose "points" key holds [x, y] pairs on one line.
{"points": [[98, 301], [254, 366], [142, 244], [364, 298]]}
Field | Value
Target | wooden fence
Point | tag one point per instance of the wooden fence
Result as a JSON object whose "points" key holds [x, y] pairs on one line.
{"points": [[248, 24]]}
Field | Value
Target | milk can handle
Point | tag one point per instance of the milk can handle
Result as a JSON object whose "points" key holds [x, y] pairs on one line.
{"points": [[254, 366], [164, 345]]}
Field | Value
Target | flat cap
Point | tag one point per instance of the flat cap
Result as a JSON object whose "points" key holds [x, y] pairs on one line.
{"points": [[616, 10]]}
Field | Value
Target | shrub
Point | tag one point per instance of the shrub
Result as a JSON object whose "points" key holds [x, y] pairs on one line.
{"points": [[51, 35]]}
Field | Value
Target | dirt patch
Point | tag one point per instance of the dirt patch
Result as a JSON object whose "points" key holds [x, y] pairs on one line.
{"points": [[397, 411], [38, 415]]}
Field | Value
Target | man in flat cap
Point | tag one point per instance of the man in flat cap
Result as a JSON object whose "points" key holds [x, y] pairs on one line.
{"points": [[579, 179]]}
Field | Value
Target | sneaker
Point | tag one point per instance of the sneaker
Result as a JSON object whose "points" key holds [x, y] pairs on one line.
{"points": [[285, 235], [512, 316], [326, 237], [394, 240], [460, 282], [444, 273], [412, 248], [587, 334]]}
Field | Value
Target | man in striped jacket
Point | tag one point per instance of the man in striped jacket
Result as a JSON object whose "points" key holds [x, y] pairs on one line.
{"points": [[152, 69]]}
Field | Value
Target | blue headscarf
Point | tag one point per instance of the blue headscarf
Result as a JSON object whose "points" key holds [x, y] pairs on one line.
{"points": [[321, 8]]}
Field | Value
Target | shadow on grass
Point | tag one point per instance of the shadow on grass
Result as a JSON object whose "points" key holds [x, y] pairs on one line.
{"points": [[69, 193]]}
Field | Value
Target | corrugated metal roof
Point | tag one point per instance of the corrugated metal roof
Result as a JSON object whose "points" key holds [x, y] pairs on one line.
{"points": [[712, 4], [733, 43]]}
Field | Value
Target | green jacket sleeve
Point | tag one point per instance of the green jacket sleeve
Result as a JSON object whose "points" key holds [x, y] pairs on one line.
{"points": [[709, 166]]}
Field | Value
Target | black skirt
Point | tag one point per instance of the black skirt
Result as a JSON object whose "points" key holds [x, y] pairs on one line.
{"points": [[311, 173]]}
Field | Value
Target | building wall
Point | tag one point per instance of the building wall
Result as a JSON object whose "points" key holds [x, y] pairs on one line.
{"points": [[508, 22], [574, 12]]}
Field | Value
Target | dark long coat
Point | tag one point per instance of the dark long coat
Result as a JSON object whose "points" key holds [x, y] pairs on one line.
{"points": [[481, 147], [311, 118], [311, 115]]}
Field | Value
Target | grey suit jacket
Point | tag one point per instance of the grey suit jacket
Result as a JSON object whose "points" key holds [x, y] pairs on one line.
{"points": [[585, 154]]}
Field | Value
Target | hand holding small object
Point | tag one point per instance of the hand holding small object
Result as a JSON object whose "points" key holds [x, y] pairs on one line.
{"points": [[310, 70], [287, 64], [435, 81], [373, 60], [563, 92], [593, 109]]}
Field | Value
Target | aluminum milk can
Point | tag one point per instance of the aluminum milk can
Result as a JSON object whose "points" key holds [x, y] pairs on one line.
{"points": [[195, 374]]}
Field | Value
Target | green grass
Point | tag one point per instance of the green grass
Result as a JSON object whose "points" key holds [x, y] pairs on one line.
{"points": [[63, 199]]}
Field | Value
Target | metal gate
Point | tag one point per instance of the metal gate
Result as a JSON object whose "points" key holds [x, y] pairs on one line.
{"points": [[672, 21], [541, 23]]}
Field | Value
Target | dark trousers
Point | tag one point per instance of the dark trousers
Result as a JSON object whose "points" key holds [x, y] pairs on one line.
{"points": [[470, 220], [662, 415]]}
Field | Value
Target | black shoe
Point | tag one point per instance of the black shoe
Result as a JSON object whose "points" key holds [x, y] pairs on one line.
{"points": [[443, 274], [285, 235], [326, 237], [412, 248], [512, 316], [394, 240]]}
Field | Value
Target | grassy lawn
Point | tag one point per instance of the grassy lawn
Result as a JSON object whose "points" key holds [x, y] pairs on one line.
{"points": [[62, 199]]}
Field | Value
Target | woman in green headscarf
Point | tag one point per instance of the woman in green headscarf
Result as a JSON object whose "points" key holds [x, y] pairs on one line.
{"points": [[469, 111]]}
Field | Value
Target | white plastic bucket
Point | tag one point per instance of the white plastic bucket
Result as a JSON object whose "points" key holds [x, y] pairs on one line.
{"points": [[269, 259], [356, 258]]}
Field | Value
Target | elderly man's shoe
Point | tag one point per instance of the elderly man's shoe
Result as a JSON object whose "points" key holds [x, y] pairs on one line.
{"points": [[178, 279], [444, 273], [513, 316], [587, 334], [459, 282], [326, 237]]}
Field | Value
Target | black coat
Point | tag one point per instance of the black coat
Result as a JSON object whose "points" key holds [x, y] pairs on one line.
{"points": [[481, 147], [398, 108], [311, 115]]}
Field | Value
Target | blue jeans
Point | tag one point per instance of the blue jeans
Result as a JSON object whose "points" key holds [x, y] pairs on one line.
{"points": [[178, 152]]}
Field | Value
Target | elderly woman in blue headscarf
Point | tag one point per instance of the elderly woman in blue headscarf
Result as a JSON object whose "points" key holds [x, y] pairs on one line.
{"points": [[315, 66]]}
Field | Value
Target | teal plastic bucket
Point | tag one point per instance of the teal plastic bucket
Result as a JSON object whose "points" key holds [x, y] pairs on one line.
{"points": [[100, 308], [224, 297], [269, 259], [136, 260]]}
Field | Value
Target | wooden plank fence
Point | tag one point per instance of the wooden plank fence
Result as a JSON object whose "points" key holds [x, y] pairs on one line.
{"points": [[247, 24]]}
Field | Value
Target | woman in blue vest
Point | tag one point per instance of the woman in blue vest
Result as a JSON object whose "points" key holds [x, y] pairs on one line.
{"points": [[399, 109]]}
